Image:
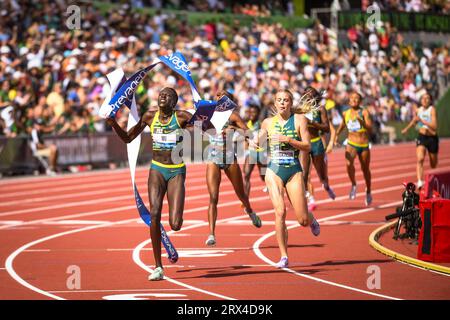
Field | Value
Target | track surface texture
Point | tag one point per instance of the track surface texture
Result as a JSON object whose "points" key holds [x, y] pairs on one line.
{"points": [[79, 236]]}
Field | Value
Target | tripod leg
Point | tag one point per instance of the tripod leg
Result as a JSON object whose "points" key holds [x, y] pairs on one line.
{"points": [[397, 228]]}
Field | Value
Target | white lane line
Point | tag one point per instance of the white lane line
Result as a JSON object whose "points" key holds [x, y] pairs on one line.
{"points": [[118, 290], [9, 261], [11, 222], [125, 187], [254, 199], [118, 181], [74, 222], [123, 208], [180, 249], [140, 247], [123, 184], [21, 182], [118, 198], [259, 254], [225, 204], [78, 181]]}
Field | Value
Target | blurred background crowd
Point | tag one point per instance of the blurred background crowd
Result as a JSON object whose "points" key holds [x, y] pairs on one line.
{"points": [[54, 77]]}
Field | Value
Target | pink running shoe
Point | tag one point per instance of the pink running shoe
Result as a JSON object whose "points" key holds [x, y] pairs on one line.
{"points": [[312, 206]]}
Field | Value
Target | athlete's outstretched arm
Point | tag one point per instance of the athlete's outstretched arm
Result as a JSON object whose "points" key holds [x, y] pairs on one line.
{"points": [[410, 125], [324, 125], [339, 129], [332, 137], [183, 118], [236, 118], [240, 124], [129, 136], [261, 138]]}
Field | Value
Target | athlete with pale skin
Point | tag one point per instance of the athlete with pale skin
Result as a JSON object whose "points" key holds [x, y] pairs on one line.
{"points": [[288, 134], [165, 176], [425, 121], [359, 125]]}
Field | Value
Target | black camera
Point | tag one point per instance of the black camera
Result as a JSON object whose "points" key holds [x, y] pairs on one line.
{"points": [[408, 215]]}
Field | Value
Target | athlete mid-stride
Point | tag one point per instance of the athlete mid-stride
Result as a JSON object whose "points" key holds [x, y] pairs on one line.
{"points": [[222, 156], [288, 134], [165, 176]]}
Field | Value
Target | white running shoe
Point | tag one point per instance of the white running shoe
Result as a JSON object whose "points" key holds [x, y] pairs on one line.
{"points": [[211, 241], [352, 194], [420, 184], [157, 274], [283, 263], [50, 172]]}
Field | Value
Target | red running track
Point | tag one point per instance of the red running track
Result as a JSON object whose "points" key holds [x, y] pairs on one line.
{"points": [[88, 221]]}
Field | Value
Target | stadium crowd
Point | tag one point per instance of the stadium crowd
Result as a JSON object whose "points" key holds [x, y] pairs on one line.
{"points": [[54, 78], [435, 6]]}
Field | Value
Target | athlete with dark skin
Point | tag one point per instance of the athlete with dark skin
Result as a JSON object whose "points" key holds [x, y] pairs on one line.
{"points": [[221, 157], [165, 176]]}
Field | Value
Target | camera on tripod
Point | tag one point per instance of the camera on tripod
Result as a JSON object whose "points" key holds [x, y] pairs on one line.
{"points": [[408, 215]]}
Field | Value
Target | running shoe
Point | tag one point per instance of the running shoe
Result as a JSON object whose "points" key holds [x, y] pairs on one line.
{"points": [[283, 263], [330, 192], [211, 241], [419, 184], [368, 199], [312, 206], [255, 219], [265, 190], [315, 228], [352, 194], [50, 172], [157, 274]]}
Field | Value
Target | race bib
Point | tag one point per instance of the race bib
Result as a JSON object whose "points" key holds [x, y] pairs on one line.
{"points": [[165, 140], [353, 125], [283, 157]]}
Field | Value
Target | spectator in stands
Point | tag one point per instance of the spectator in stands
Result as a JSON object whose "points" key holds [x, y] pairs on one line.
{"points": [[40, 57]]}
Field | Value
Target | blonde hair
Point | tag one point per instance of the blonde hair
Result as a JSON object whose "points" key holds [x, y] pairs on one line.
{"points": [[308, 102]]}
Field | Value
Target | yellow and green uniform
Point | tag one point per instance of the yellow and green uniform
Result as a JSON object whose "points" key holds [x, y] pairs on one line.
{"points": [[165, 137], [353, 125], [284, 161], [317, 147], [219, 152], [258, 156]]}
